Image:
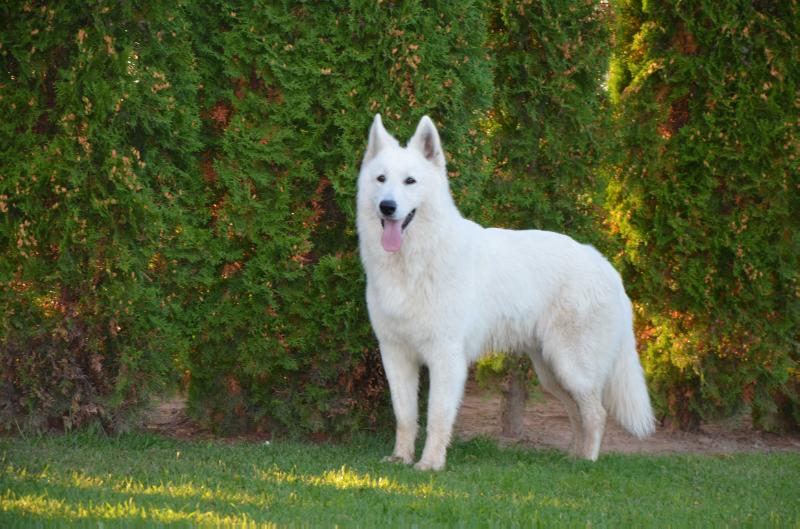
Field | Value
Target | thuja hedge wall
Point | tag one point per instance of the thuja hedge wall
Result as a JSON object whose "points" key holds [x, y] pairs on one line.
{"points": [[177, 189], [706, 200], [549, 120], [98, 137], [275, 299]]}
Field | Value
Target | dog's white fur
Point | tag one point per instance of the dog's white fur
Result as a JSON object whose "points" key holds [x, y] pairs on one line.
{"points": [[455, 291]]}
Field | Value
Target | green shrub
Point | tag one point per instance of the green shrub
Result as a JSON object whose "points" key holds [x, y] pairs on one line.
{"points": [[274, 292], [98, 136], [705, 199], [549, 119], [177, 191]]}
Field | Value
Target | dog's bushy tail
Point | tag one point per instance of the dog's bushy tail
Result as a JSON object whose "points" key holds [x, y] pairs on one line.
{"points": [[625, 394]]}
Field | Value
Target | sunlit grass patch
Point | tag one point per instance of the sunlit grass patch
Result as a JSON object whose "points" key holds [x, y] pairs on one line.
{"points": [[44, 510], [145, 481], [345, 478]]}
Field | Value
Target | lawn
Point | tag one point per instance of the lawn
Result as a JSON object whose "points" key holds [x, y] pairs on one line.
{"points": [[138, 480]]}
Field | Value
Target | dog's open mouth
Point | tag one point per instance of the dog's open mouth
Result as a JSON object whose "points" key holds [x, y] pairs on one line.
{"points": [[392, 238]]}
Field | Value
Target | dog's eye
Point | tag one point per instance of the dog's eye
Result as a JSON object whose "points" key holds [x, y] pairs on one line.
{"points": [[381, 179], [410, 181]]}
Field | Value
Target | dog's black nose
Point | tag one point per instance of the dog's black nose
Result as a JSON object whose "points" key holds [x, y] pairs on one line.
{"points": [[388, 207]]}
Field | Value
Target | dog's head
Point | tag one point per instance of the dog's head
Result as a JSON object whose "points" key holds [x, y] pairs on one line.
{"points": [[397, 183]]}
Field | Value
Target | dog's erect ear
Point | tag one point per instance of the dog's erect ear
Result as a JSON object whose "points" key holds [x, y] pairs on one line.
{"points": [[426, 140], [379, 139]]}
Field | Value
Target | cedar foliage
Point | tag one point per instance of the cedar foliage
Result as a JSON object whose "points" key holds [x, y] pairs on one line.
{"points": [[275, 301], [177, 191], [705, 200], [98, 137], [549, 116]]}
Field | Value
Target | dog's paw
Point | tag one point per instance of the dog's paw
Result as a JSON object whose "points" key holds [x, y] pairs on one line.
{"points": [[397, 459], [429, 465]]}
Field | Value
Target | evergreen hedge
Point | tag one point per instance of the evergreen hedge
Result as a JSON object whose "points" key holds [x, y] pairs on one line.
{"points": [[275, 300], [705, 200], [549, 120], [98, 137], [177, 192]]}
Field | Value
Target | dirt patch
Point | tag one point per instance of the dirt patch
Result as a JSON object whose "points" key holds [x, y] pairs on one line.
{"points": [[546, 426], [168, 417]]}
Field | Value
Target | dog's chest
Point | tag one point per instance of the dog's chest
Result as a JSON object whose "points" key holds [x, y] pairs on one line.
{"points": [[401, 297], [411, 306]]}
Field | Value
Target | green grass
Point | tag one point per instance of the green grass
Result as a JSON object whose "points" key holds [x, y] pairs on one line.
{"points": [[146, 481]]}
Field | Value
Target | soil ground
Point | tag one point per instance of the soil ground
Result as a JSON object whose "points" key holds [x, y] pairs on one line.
{"points": [[546, 426]]}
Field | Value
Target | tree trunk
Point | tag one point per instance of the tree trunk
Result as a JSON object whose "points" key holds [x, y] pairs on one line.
{"points": [[515, 393]]}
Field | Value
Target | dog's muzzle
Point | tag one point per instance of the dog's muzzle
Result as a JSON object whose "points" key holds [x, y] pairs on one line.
{"points": [[393, 230], [406, 222]]}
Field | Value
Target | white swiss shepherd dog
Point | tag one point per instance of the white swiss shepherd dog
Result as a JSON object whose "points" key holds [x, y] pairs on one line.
{"points": [[442, 291]]}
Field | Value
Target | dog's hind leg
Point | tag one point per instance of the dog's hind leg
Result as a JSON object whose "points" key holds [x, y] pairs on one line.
{"points": [[448, 376], [402, 371], [549, 382], [579, 385], [593, 421], [577, 345]]}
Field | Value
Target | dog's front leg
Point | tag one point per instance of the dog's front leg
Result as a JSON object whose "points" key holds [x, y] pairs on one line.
{"points": [[403, 375], [448, 374]]}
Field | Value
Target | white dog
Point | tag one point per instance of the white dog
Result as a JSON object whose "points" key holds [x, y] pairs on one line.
{"points": [[442, 291]]}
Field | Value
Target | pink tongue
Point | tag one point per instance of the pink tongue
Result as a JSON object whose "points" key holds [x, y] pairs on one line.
{"points": [[392, 237]]}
